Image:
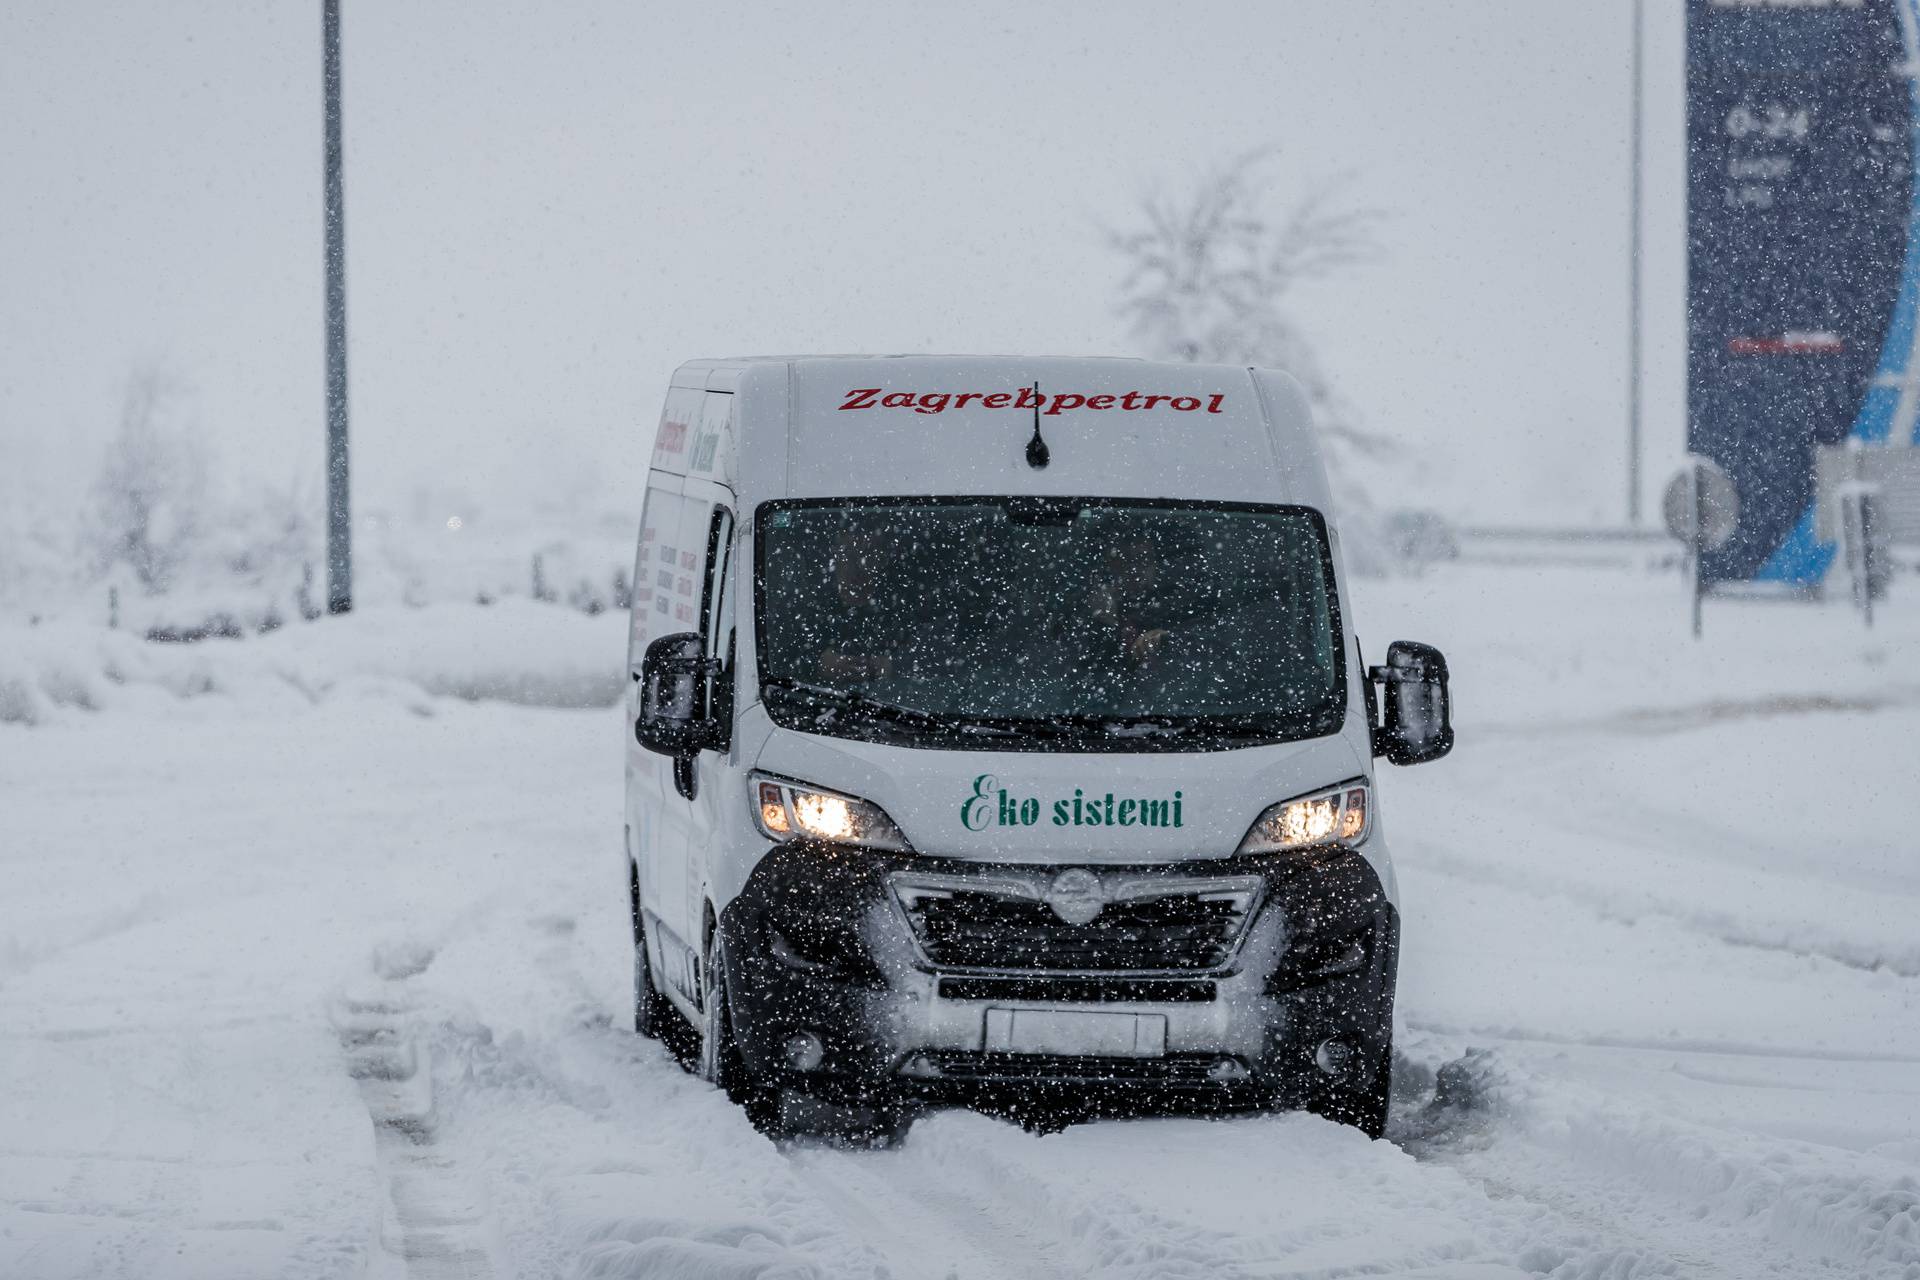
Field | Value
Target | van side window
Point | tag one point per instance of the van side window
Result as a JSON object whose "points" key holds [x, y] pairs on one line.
{"points": [[716, 611], [653, 574]]}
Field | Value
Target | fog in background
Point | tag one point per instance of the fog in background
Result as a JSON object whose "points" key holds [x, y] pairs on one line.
{"points": [[549, 206]]}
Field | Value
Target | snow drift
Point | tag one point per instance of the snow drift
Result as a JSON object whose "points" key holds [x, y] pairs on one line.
{"points": [[514, 651]]}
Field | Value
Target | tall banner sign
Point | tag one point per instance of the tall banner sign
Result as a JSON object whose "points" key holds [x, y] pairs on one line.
{"points": [[1803, 255]]}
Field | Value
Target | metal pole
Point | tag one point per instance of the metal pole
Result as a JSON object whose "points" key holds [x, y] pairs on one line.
{"points": [[1633, 285], [1697, 528], [339, 513], [1867, 505]]}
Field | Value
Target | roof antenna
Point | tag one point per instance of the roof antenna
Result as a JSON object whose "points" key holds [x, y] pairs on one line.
{"points": [[1038, 455]]}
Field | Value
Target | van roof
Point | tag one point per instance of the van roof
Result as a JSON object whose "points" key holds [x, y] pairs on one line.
{"points": [[848, 425]]}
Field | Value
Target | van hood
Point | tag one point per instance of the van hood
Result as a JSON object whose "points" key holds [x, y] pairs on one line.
{"points": [[1047, 807]]}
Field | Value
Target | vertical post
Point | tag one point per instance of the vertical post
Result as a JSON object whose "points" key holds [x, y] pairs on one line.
{"points": [[1697, 537], [339, 511], [1867, 566], [1858, 515], [1633, 283]]}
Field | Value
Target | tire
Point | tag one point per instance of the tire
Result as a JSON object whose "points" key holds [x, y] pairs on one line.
{"points": [[1364, 1106], [870, 1124], [720, 1062], [653, 1016]]}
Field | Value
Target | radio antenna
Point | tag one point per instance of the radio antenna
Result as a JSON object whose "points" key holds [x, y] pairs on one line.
{"points": [[1038, 455]]}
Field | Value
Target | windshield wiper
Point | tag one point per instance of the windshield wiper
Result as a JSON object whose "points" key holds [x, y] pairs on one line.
{"points": [[853, 701], [832, 701], [1162, 727]]}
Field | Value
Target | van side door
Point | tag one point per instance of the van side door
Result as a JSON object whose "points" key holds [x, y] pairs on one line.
{"points": [[683, 818], [664, 602], [715, 785], [708, 784]]}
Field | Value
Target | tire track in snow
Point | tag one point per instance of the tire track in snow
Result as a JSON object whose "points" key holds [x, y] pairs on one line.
{"points": [[925, 1227], [1630, 906], [435, 1218], [692, 1190], [1273, 1197], [1594, 1186], [1633, 1195]]}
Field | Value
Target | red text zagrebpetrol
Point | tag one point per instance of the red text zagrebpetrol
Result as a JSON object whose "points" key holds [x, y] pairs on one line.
{"points": [[1024, 398]]}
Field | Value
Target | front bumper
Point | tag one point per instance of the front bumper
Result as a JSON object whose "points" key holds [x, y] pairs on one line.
{"points": [[823, 945]]}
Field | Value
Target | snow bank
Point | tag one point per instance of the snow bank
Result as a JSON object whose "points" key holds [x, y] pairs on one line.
{"points": [[514, 651], [1551, 650]]}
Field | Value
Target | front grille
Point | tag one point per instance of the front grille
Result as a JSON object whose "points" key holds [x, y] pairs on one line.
{"points": [[1048, 989], [1004, 923]]}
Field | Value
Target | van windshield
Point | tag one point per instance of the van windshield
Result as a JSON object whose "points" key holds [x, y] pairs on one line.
{"points": [[1023, 623]]}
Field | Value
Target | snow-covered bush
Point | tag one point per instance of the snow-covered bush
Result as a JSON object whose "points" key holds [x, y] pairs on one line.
{"points": [[168, 541], [149, 496]]}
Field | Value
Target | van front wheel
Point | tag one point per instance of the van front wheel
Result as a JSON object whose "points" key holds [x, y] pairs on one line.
{"points": [[1360, 1104], [720, 1062]]}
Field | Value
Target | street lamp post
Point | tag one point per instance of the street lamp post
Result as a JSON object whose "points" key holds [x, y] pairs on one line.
{"points": [[1633, 284], [339, 512]]}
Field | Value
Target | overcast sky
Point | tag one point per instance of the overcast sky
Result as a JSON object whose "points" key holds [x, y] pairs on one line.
{"points": [[550, 205]]}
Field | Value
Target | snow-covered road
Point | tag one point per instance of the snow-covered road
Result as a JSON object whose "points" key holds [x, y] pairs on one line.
{"points": [[317, 988]]}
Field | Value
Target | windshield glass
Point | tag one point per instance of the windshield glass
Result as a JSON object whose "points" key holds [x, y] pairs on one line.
{"points": [[1018, 622]]}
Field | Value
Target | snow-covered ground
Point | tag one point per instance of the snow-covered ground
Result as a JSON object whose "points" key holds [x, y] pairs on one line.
{"points": [[313, 963]]}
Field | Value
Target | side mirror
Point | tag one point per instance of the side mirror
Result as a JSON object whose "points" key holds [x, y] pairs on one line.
{"points": [[674, 714], [1418, 725]]}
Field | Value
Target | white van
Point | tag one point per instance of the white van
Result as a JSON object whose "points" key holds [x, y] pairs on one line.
{"points": [[999, 727]]}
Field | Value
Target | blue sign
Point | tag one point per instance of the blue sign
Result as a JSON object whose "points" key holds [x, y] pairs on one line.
{"points": [[1803, 255]]}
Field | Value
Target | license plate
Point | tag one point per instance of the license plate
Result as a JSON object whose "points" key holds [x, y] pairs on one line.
{"points": [[1076, 1033]]}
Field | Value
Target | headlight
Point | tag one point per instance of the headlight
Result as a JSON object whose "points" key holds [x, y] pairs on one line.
{"points": [[786, 809], [1340, 815]]}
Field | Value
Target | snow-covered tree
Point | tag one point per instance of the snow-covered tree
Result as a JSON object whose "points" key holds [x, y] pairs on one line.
{"points": [[1210, 277]]}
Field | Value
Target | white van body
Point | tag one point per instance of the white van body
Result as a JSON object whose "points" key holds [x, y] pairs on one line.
{"points": [[849, 993]]}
